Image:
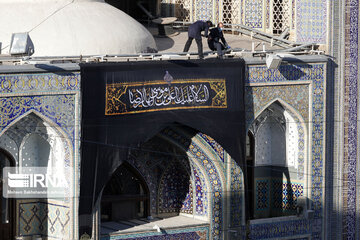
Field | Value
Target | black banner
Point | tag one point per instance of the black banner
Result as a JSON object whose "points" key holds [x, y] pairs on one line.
{"points": [[126, 104]]}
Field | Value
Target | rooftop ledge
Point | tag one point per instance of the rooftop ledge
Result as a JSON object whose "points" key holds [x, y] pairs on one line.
{"points": [[143, 226], [42, 66], [170, 48]]}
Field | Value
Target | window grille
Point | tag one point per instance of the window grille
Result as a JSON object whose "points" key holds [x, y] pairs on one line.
{"points": [[231, 12], [281, 15], [183, 10]]}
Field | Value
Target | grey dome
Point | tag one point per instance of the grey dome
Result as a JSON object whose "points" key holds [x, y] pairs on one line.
{"points": [[72, 28]]}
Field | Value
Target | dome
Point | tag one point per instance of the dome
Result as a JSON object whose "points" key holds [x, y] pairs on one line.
{"points": [[73, 28]]}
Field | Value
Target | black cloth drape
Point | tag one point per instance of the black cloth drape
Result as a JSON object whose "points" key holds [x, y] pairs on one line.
{"points": [[125, 104]]}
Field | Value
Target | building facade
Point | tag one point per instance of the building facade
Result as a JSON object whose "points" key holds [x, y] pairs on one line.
{"points": [[40, 128], [300, 178]]}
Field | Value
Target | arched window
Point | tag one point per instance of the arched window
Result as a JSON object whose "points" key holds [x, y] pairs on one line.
{"points": [[7, 208], [125, 196], [271, 169]]}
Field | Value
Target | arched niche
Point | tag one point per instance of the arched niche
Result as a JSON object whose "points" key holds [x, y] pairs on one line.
{"points": [[185, 176], [276, 182], [125, 196], [36, 141]]}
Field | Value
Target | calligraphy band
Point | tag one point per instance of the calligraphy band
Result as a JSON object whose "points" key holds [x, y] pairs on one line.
{"points": [[138, 97]]}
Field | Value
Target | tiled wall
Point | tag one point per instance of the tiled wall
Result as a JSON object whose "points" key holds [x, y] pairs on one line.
{"points": [[51, 97], [311, 21], [350, 108], [266, 86]]}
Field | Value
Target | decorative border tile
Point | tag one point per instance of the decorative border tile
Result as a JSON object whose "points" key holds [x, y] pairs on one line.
{"points": [[28, 83], [201, 200], [237, 194], [267, 12], [215, 146], [351, 101], [285, 73], [293, 14], [317, 148], [279, 229]]}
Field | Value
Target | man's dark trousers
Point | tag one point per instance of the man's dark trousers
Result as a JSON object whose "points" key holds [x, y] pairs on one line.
{"points": [[199, 45], [217, 46]]}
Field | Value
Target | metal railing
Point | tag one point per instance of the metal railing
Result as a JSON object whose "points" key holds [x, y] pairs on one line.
{"points": [[254, 33], [232, 53]]}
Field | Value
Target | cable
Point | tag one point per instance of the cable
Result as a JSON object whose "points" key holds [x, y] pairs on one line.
{"points": [[47, 18]]}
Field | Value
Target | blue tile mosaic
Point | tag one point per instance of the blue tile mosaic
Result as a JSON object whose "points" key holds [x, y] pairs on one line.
{"points": [[254, 13], [58, 108], [204, 10], [311, 24], [351, 103], [279, 229]]}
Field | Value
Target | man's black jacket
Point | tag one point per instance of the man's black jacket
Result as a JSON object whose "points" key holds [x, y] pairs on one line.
{"points": [[215, 36], [196, 28]]}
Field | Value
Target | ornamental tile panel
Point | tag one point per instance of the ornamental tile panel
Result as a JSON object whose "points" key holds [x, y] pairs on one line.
{"points": [[311, 22], [44, 82], [44, 218], [253, 13], [351, 116]]}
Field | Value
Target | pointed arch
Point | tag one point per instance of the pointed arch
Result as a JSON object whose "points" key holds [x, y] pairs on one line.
{"points": [[303, 128], [283, 103], [44, 131], [280, 142], [48, 124], [125, 195], [181, 143], [205, 159]]}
